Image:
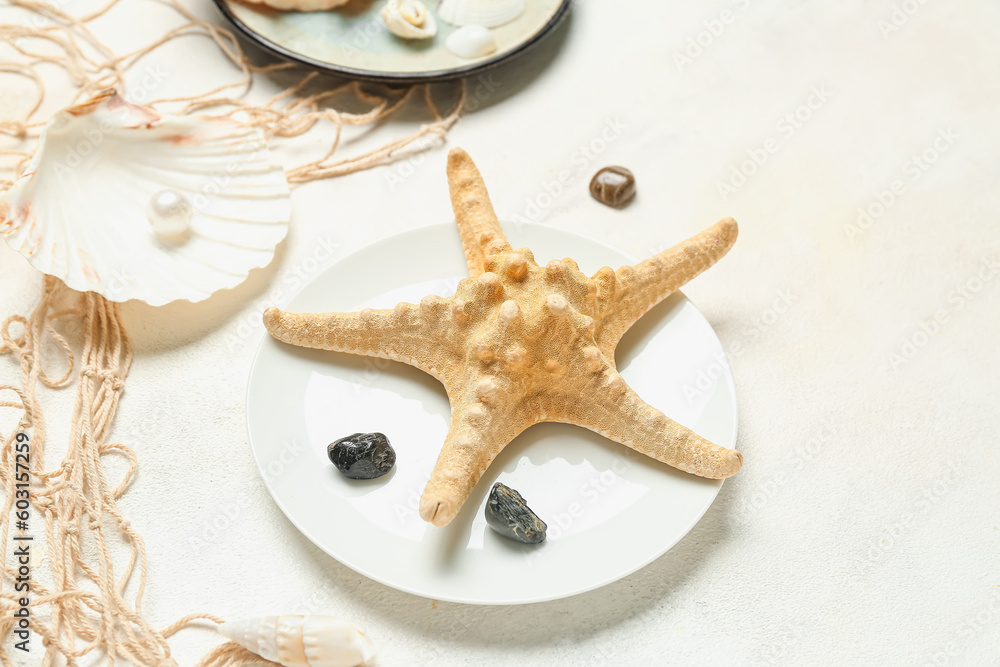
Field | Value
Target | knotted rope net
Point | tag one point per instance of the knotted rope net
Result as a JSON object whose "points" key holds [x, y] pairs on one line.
{"points": [[88, 601]]}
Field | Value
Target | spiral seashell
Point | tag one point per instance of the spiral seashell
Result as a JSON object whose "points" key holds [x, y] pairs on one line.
{"points": [[409, 19], [302, 641], [488, 13]]}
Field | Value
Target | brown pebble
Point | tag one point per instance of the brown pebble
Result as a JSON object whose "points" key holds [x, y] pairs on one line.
{"points": [[614, 186]]}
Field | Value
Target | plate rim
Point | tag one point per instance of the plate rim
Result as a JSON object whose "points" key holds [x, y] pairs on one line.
{"points": [[429, 76], [360, 569]]}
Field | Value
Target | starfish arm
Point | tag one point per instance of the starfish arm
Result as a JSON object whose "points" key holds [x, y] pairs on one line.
{"points": [[475, 438], [477, 222], [610, 407], [406, 333], [628, 294]]}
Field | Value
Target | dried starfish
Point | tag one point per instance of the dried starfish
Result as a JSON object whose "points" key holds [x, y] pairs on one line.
{"points": [[521, 344]]}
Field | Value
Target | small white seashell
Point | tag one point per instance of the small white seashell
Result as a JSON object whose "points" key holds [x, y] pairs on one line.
{"points": [[302, 641], [471, 41], [489, 13], [91, 208], [409, 19]]}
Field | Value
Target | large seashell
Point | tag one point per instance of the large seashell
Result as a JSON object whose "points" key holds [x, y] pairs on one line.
{"points": [[302, 641], [79, 212], [300, 5], [409, 19], [471, 41], [489, 13]]}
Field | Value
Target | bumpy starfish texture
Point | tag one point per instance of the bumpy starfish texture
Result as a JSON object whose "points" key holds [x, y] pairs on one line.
{"points": [[519, 344]]}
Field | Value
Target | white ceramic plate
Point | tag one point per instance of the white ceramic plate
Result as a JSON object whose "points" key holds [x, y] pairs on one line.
{"points": [[610, 511]]}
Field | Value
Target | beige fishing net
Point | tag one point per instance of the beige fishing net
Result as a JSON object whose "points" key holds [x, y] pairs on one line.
{"points": [[85, 599]]}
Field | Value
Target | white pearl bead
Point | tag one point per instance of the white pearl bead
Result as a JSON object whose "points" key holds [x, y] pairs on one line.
{"points": [[170, 213]]}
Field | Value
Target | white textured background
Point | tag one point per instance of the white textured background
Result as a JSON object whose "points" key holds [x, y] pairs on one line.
{"points": [[865, 526]]}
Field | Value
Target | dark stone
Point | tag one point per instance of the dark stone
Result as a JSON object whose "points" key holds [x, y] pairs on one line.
{"points": [[362, 455], [614, 186], [509, 515]]}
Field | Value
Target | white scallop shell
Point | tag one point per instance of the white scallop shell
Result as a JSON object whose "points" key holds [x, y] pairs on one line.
{"points": [[79, 211], [471, 41], [302, 641], [409, 19], [489, 13]]}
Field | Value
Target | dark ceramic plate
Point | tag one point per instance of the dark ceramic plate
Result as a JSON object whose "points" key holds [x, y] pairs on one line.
{"points": [[353, 41]]}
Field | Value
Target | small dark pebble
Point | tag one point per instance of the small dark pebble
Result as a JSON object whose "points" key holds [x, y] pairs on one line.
{"points": [[509, 515], [362, 455], [614, 186]]}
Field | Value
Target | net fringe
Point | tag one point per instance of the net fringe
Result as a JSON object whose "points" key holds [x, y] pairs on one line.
{"points": [[93, 603]]}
